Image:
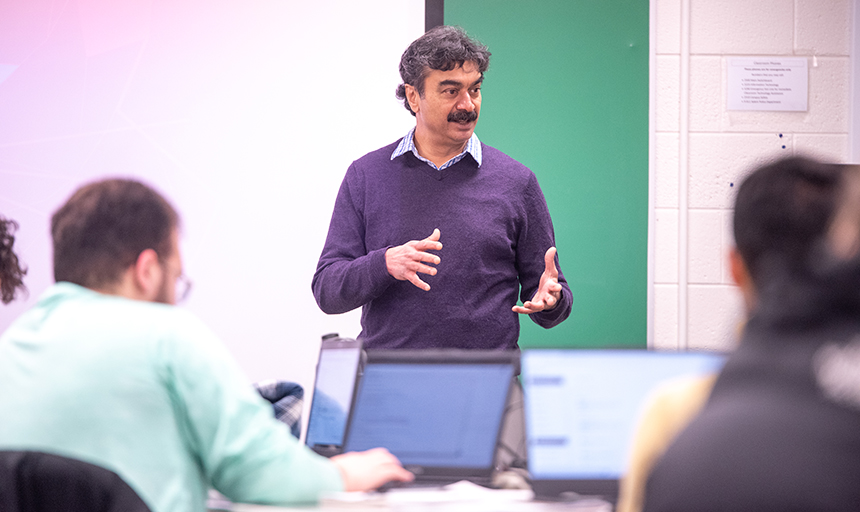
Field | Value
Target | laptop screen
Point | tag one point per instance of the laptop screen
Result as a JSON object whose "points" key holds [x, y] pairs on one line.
{"points": [[333, 389], [582, 406], [431, 414]]}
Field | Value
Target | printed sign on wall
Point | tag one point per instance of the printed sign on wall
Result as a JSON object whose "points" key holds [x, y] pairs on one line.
{"points": [[766, 83]]}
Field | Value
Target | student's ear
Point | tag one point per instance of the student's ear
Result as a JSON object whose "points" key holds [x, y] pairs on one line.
{"points": [[147, 274], [412, 97], [741, 276]]}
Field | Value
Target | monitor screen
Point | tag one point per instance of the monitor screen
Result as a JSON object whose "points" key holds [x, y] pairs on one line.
{"points": [[429, 414], [582, 406], [333, 389]]}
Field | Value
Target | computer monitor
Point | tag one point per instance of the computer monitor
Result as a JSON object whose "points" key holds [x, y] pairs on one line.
{"points": [[439, 411], [582, 407]]}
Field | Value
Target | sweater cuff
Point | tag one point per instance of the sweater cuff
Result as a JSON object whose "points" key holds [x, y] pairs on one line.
{"points": [[380, 268], [556, 315]]}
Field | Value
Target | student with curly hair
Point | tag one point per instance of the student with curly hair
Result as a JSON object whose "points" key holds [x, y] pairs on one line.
{"points": [[11, 271]]}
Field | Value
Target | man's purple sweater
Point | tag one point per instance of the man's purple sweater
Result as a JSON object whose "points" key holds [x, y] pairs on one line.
{"points": [[495, 229]]}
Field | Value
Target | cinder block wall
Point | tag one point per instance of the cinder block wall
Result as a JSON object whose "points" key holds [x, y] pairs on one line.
{"points": [[695, 304]]}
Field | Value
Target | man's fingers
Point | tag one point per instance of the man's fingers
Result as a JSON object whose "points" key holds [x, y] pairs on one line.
{"points": [[434, 237], [546, 296], [430, 243], [420, 255], [424, 269], [534, 305], [549, 262], [427, 245], [522, 310], [414, 279]]}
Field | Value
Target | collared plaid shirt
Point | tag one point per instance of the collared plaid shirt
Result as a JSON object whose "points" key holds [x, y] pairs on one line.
{"points": [[473, 147], [287, 401]]}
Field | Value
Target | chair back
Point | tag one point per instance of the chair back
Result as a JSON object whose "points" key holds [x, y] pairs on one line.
{"points": [[40, 482]]}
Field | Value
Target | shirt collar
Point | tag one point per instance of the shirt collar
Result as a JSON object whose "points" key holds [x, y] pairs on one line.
{"points": [[407, 144]]}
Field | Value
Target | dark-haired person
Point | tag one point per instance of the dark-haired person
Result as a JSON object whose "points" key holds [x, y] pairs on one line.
{"points": [[781, 427], [104, 369], [11, 272], [439, 184]]}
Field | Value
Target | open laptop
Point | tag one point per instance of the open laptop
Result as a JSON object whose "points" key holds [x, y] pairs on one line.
{"points": [[337, 375], [582, 407], [439, 411]]}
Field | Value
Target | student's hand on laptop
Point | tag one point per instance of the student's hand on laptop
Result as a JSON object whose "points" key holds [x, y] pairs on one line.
{"points": [[365, 471]]}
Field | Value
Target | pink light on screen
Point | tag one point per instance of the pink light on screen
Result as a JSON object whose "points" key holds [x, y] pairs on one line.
{"points": [[108, 24]]}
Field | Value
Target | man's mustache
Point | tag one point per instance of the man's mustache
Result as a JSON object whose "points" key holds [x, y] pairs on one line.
{"points": [[462, 116]]}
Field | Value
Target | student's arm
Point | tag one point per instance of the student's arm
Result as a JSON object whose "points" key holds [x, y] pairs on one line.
{"points": [[245, 453]]}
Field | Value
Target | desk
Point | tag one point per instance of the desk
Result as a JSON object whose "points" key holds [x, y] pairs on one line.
{"points": [[459, 499], [529, 506]]}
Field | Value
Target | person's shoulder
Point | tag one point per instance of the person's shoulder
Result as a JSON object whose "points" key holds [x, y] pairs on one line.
{"points": [[683, 396], [376, 156], [112, 322], [157, 323], [495, 159], [173, 333], [507, 173]]}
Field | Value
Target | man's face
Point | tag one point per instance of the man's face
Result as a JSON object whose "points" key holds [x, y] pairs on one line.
{"points": [[448, 111], [172, 270]]}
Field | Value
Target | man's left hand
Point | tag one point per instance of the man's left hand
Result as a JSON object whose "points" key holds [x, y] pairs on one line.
{"points": [[549, 291]]}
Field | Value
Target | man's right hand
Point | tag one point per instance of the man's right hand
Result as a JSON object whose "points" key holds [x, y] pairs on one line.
{"points": [[404, 262], [365, 471]]}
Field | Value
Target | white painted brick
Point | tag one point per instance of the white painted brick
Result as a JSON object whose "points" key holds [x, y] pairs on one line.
{"points": [[668, 26], [668, 97], [666, 316], [728, 242], [716, 317], [707, 99], [667, 170], [822, 27], [725, 145], [742, 27], [719, 160], [705, 246], [828, 147], [829, 98], [827, 110], [666, 245]]}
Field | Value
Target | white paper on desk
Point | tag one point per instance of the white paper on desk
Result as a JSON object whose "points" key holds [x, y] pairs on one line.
{"points": [[456, 492], [459, 492]]}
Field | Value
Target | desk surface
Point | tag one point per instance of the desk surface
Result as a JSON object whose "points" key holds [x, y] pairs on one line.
{"points": [[529, 506], [424, 500]]}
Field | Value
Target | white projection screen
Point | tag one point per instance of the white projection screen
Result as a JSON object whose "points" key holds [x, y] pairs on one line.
{"points": [[244, 113]]}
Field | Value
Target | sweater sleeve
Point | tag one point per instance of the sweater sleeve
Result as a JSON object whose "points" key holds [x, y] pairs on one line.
{"points": [[348, 275], [244, 452], [535, 238]]}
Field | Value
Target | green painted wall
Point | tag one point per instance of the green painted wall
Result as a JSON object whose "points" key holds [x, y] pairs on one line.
{"points": [[567, 95]]}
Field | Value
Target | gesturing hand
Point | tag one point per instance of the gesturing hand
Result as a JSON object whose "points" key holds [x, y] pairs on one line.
{"points": [[405, 261], [549, 291]]}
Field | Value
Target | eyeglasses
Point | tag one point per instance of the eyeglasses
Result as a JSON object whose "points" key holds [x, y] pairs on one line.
{"points": [[183, 288]]}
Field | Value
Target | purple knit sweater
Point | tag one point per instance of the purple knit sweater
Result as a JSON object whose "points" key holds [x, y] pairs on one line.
{"points": [[495, 228]]}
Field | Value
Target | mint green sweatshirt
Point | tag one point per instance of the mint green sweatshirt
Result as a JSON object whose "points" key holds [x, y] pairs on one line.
{"points": [[147, 391]]}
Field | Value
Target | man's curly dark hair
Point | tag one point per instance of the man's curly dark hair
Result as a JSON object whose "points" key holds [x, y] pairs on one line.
{"points": [[11, 272], [442, 48]]}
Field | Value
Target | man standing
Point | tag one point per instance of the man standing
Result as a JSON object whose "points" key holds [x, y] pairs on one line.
{"points": [[105, 370], [384, 250]]}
